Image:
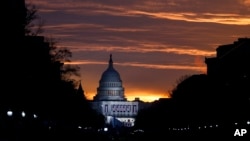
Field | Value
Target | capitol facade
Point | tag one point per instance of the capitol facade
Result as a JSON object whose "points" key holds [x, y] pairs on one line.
{"points": [[111, 102]]}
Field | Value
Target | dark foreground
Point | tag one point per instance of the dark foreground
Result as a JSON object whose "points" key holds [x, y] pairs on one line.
{"points": [[45, 132]]}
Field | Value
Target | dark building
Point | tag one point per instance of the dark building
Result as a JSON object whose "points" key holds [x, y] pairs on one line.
{"points": [[229, 74], [231, 61]]}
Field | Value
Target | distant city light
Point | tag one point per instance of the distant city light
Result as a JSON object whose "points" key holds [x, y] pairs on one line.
{"points": [[9, 113], [79, 127], [23, 114], [235, 123], [248, 122], [34, 115], [105, 129]]}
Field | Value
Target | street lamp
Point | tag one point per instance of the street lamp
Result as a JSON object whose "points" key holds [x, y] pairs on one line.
{"points": [[9, 113], [248, 122], [34, 115], [23, 114]]}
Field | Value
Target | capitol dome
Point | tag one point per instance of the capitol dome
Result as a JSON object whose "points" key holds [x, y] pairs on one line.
{"points": [[110, 85], [110, 74]]}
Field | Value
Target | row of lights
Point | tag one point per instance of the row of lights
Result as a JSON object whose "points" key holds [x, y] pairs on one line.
{"points": [[179, 129], [248, 123], [202, 127], [211, 126], [23, 114]]}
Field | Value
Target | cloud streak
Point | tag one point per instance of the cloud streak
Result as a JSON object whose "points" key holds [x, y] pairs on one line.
{"points": [[168, 38], [142, 65], [190, 12], [180, 51], [222, 18]]}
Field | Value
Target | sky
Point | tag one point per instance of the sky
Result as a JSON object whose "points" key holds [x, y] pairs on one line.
{"points": [[154, 43]]}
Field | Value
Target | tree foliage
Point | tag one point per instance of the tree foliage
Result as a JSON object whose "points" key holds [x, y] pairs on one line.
{"points": [[45, 84], [33, 22]]}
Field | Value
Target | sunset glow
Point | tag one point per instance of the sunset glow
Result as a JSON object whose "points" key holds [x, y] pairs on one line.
{"points": [[154, 43], [146, 96], [143, 96]]}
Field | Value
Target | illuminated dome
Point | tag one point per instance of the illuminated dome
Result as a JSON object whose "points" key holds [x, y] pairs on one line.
{"points": [[110, 74], [110, 85]]}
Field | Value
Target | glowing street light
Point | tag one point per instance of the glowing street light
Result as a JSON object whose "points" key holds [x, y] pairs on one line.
{"points": [[9, 113], [105, 129], [34, 116], [248, 122], [23, 114]]}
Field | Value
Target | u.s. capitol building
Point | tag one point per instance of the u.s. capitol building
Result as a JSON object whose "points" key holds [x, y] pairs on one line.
{"points": [[111, 101]]}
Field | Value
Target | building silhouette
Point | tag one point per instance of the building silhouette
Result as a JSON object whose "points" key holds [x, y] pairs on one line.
{"points": [[213, 104], [231, 61], [230, 70]]}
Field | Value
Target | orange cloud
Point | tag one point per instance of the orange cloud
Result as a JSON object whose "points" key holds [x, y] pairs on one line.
{"points": [[126, 29], [143, 65], [151, 9], [85, 62], [199, 62], [245, 2], [94, 26], [73, 26], [144, 48], [221, 18]]}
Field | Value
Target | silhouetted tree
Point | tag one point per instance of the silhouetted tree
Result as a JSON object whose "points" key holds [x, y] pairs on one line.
{"points": [[156, 119], [178, 81], [193, 97], [30, 27], [38, 82], [13, 22]]}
